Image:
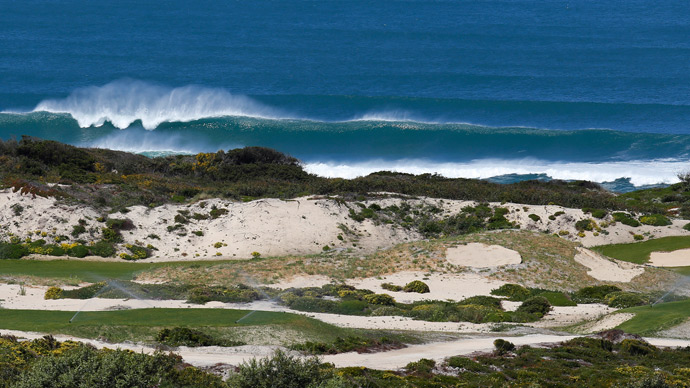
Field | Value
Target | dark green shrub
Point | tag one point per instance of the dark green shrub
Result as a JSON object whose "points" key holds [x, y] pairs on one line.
{"points": [[77, 230], [102, 249], [534, 217], [280, 370], [593, 294], [625, 219], [502, 346], [467, 364], [12, 251], [557, 298], [655, 220], [514, 292], [584, 225], [78, 251], [537, 305], [637, 347], [417, 286], [422, 367], [183, 336], [119, 224], [217, 212], [111, 235], [623, 299], [482, 300], [180, 219], [686, 226]]}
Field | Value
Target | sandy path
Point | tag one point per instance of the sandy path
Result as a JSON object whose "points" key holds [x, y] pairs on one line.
{"points": [[679, 258], [605, 269]]}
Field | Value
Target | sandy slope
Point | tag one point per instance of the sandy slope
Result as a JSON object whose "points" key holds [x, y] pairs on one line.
{"points": [[605, 269], [275, 227]]}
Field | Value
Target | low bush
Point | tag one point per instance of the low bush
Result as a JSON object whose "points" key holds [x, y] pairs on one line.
{"points": [[625, 219], [417, 286], [183, 336], [12, 251], [637, 347], [423, 367], [53, 293], [623, 299], [391, 287], [655, 220], [280, 370], [379, 299], [348, 344], [102, 249], [537, 305], [513, 292], [502, 346], [594, 294], [78, 251], [534, 217]]}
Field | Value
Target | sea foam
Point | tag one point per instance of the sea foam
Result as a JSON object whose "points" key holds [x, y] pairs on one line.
{"points": [[125, 101], [640, 173]]}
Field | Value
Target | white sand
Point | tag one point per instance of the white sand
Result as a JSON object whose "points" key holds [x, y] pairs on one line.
{"points": [[604, 269], [481, 255], [678, 258], [606, 323], [561, 316], [276, 227]]}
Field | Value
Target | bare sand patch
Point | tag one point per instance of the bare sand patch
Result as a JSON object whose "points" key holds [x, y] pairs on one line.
{"points": [[561, 316], [479, 255], [679, 258], [605, 269], [607, 322]]}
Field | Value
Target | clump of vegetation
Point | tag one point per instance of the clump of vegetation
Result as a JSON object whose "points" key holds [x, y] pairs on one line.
{"points": [[53, 293], [237, 294], [594, 294], [536, 305], [349, 344], [534, 217], [379, 299], [514, 292], [655, 220], [135, 252], [391, 287], [625, 219], [417, 286], [183, 336], [502, 346]]}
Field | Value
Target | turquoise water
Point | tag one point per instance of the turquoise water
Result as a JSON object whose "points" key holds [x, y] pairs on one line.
{"points": [[507, 89]]}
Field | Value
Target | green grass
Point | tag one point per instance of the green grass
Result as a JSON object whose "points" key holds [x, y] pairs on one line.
{"points": [[649, 320], [143, 324], [638, 253], [87, 271]]}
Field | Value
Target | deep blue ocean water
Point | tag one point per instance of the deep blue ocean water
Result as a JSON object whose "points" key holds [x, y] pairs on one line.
{"points": [[517, 89]]}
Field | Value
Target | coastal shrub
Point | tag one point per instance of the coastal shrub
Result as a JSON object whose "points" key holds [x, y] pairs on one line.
{"points": [[183, 336], [180, 219], [502, 346], [423, 367], [557, 298], [638, 237], [687, 226], [623, 299], [482, 300], [78, 230], [102, 249], [596, 213], [279, 370], [198, 233], [417, 286], [655, 220], [534, 217], [625, 219], [86, 292], [467, 364], [513, 292], [584, 225], [79, 251], [53, 293], [237, 294], [12, 251], [537, 305], [391, 287], [347, 344], [379, 299], [217, 212], [136, 253], [594, 294], [119, 224], [111, 235], [637, 347]]}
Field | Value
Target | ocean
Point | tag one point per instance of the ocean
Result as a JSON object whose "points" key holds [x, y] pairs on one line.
{"points": [[501, 90]]}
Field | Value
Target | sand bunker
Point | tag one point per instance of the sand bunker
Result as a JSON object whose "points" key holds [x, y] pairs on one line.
{"points": [[481, 256], [679, 258], [605, 269]]}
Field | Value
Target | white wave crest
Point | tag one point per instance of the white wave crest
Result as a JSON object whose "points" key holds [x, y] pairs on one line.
{"points": [[640, 172], [125, 101]]}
